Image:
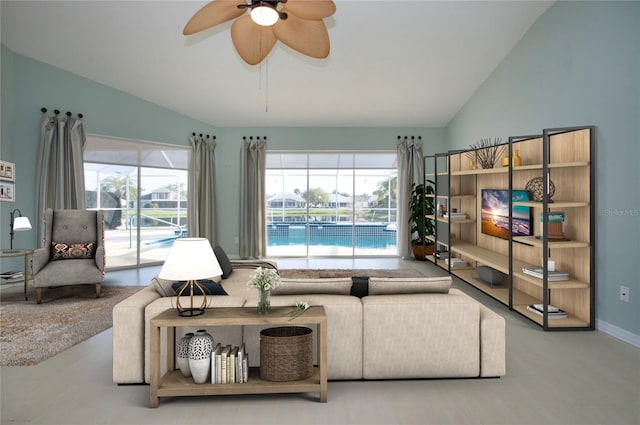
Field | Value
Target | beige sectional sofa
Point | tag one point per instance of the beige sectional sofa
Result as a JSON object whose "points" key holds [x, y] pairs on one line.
{"points": [[403, 328]]}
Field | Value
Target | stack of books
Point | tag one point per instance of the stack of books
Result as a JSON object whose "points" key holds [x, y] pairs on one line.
{"points": [[441, 254], [229, 365], [11, 275], [552, 311], [551, 276], [455, 263], [455, 216]]}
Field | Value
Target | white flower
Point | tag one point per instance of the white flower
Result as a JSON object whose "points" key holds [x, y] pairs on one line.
{"points": [[264, 279], [300, 308]]}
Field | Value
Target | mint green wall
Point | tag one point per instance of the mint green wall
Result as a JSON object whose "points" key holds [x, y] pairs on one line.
{"points": [[28, 85], [579, 65], [110, 112]]}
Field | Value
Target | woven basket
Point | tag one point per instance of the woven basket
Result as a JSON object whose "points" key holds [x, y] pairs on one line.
{"points": [[286, 353]]}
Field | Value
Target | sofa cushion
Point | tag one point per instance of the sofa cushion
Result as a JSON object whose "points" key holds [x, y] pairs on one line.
{"points": [[293, 286], [420, 335], [72, 251], [409, 285], [223, 260], [212, 288]]}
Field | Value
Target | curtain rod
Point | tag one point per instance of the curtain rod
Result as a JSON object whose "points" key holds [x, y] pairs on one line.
{"points": [[201, 135], [412, 137], [57, 112], [251, 138]]}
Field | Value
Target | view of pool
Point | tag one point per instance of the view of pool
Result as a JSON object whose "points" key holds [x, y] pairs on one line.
{"points": [[368, 236]]}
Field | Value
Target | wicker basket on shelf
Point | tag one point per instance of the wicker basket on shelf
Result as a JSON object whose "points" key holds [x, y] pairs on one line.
{"points": [[286, 353]]}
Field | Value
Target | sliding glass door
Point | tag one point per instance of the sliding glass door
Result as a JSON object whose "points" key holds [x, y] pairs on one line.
{"points": [[142, 188]]}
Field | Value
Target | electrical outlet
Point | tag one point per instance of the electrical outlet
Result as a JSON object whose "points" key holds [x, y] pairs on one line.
{"points": [[624, 294]]}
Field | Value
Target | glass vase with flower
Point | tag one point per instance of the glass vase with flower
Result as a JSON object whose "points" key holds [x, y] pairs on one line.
{"points": [[264, 280]]}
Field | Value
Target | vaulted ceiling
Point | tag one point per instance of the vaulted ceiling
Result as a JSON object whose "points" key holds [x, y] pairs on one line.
{"points": [[392, 63]]}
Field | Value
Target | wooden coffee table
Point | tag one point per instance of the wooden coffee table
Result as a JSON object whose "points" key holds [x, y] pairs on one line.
{"points": [[173, 384]]}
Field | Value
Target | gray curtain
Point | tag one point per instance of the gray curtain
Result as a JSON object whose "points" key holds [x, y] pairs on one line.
{"points": [[202, 189], [410, 171], [253, 241], [60, 168]]}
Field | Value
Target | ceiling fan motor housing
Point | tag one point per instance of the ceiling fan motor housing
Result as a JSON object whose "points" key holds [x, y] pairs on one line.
{"points": [[266, 3]]}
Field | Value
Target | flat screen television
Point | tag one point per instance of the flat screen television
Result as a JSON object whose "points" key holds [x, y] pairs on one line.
{"points": [[495, 213]]}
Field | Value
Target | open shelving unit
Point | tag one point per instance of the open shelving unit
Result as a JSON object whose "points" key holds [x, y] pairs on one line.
{"points": [[436, 175], [563, 156]]}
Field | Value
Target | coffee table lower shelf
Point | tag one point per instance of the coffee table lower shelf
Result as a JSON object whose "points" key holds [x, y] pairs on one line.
{"points": [[173, 384]]}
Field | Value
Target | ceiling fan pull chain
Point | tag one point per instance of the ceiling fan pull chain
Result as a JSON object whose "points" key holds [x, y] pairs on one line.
{"points": [[266, 97]]}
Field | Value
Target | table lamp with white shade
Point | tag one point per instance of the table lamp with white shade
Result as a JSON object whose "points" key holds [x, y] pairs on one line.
{"points": [[191, 260]]}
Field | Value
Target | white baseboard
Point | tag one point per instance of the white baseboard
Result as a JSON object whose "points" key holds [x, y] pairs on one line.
{"points": [[619, 333]]}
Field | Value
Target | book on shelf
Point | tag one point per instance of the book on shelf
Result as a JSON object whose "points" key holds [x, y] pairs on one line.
{"points": [[552, 276], [245, 367], [13, 274], [239, 360], [231, 367], [215, 358], [552, 311], [224, 358]]}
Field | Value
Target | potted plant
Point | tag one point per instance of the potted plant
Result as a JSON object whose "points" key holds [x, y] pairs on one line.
{"points": [[420, 206]]}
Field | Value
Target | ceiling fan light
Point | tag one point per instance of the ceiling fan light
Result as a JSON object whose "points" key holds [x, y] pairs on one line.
{"points": [[264, 14]]}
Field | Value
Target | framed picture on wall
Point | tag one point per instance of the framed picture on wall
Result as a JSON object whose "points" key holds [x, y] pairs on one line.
{"points": [[7, 171], [7, 191]]}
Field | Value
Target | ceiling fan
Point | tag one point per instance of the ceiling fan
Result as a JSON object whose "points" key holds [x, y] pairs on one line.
{"points": [[297, 23]]}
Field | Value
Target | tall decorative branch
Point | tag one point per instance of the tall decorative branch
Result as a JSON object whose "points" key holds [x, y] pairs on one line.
{"points": [[486, 152]]}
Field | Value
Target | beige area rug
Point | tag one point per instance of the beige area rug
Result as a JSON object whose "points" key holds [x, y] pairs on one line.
{"points": [[318, 273], [31, 333]]}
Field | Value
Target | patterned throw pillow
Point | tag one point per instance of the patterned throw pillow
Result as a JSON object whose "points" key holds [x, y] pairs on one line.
{"points": [[69, 251]]}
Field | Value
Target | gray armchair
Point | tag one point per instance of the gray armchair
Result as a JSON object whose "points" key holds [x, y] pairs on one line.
{"points": [[72, 250]]}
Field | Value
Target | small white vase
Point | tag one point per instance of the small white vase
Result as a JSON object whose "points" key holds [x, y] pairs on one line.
{"points": [[182, 354], [200, 347]]}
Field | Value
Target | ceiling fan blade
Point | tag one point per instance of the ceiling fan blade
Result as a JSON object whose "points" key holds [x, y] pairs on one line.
{"points": [[252, 41], [309, 37], [214, 13], [311, 9]]}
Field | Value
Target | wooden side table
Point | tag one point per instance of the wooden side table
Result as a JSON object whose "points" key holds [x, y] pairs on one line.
{"points": [[8, 253], [174, 384]]}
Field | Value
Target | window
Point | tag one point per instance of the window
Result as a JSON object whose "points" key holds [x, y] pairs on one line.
{"points": [[142, 188], [331, 204]]}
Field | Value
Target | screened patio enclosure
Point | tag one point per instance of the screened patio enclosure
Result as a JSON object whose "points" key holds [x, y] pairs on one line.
{"points": [[331, 203]]}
